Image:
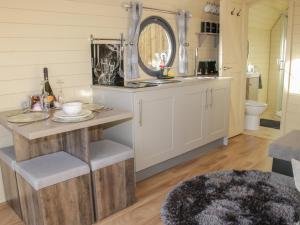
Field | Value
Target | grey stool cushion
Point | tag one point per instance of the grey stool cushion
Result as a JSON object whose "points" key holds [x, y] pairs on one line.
{"points": [[48, 170], [287, 147], [8, 156], [289, 181], [105, 153]]}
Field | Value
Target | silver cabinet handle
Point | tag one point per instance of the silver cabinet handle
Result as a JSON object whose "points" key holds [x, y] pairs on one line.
{"points": [[211, 98], [140, 113], [206, 99]]}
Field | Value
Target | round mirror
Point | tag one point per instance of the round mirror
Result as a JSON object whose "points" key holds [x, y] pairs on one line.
{"points": [[157, 45]]}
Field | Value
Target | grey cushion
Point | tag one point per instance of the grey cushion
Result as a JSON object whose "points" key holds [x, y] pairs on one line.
{"points": [[287, 147], [280, 178], [8, 156], [105, 153], [48, 170]]}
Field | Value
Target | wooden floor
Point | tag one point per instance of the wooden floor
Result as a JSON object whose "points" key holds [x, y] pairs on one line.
{"points": [[243, 153], [264, 132]]}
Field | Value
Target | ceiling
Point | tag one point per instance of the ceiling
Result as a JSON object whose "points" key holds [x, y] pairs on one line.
{"points": [[264, 13]]}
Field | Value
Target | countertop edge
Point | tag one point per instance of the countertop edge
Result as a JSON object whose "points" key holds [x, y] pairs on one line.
{"points": [[77, 126], [52, 130], [161, 86]]}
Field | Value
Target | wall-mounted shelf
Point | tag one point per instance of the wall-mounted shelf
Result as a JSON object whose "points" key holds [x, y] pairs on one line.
{"points": [[202, 37]]}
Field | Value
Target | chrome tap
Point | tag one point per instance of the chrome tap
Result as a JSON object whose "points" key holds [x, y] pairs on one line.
{"points": [[196, 62]]}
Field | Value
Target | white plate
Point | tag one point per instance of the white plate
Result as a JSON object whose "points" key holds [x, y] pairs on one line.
{"points": [[92, 106], [73, 120], [28, 117], [60, 114]]}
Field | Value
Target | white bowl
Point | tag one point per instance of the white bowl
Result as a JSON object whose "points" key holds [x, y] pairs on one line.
{"points": [[72, 108]]}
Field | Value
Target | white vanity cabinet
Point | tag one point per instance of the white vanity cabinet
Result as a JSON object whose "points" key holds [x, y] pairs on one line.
{"points": [[216, 112], [153, 127], [189, 118], [169, 120]]}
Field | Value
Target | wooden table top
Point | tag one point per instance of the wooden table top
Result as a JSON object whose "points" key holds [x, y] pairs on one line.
{"points": [[48, 127]]}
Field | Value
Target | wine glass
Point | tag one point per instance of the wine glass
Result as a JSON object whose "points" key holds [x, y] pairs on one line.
{"points": [[60, 94]]}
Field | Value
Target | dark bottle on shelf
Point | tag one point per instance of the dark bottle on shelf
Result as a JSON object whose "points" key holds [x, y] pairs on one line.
{"points": [[48, 94]]}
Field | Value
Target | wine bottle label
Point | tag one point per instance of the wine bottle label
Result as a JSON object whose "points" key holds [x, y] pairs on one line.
{"points": [[46, 73]]}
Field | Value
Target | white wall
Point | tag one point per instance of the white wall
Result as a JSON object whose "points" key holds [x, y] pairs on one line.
{"points": [[55, 33], [262, 17], [259, 54]]}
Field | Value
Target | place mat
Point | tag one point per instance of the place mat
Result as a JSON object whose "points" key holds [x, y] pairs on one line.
{"points": [[93, 107], [28, 117]]}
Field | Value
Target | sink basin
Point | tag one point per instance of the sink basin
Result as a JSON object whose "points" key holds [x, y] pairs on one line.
{"points": [[200, 78], [158, 81], [207, 78]]}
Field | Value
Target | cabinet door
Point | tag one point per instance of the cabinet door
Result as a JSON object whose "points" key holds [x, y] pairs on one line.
{"points": [[217, 113], [154, 127], [189, 117]]}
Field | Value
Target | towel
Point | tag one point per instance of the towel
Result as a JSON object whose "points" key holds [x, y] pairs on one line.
{"points": [[260, 82]]}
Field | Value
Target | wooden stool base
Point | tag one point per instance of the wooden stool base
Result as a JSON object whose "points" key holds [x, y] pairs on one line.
{"points": [[11, 188], [114, 188], [66, 203]]}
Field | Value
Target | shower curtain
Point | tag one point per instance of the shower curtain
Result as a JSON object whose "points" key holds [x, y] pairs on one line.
{"points": [[132, 67]]}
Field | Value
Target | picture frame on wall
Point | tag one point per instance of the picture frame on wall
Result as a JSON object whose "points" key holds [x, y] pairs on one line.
{"points": [[107, 63]]}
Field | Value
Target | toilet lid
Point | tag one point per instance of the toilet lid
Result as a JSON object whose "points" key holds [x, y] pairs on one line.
{"points": [[255, 103]]}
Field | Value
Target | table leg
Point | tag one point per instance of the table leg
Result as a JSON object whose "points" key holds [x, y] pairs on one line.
{"points": [[75, 143], [26, 149]]}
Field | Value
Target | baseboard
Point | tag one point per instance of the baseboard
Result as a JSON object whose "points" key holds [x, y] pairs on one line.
{"points": [[146, 173], [3, 204]]}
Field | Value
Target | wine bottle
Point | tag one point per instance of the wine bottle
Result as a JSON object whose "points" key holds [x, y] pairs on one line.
{"points": [[47, 90]]}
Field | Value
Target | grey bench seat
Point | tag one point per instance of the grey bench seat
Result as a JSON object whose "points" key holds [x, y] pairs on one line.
{"points": [[286, 147], [106, 152], [55, 189], [48, 170], [283, 150], [113, 175], [8, 163]]}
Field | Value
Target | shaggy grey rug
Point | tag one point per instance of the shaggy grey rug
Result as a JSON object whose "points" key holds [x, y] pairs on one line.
{"points": [[232, 198]]}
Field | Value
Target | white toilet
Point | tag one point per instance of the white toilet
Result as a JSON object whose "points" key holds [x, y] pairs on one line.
{"points": [[253, 112]]}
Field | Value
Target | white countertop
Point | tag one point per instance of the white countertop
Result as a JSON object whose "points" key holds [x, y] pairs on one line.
{"points": [[186, 81]]}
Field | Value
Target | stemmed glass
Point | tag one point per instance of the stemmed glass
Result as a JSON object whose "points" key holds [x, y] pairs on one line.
{"points": [[60, 94]]}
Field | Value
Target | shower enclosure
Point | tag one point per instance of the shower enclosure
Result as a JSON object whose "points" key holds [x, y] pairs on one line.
{"points": [[277, 64]]}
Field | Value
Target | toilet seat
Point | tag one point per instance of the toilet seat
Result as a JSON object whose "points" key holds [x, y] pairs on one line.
{"points": [[253, 112], [255, 103]]}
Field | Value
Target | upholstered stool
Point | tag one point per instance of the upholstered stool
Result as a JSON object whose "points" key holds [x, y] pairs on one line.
{"points": [[55, 190], [283, 150], [8, 162], [112, 166]]}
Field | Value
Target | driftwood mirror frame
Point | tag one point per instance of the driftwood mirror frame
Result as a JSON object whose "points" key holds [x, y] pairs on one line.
{"points": [[167, 27]]}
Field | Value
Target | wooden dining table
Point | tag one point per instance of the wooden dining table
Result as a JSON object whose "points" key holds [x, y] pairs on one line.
{"points": [[45, 137]]}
